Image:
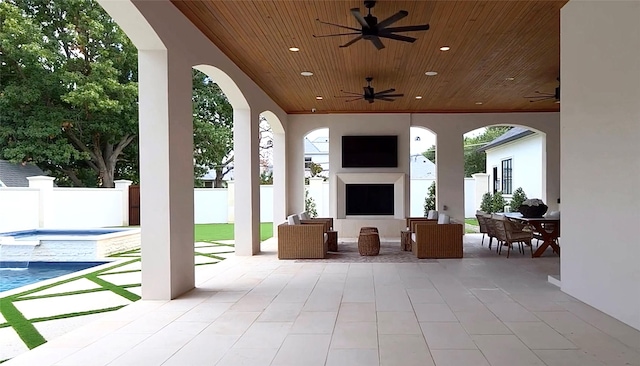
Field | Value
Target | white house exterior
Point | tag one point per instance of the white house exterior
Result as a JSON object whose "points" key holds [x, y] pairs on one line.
{"points": [[516, 159]]}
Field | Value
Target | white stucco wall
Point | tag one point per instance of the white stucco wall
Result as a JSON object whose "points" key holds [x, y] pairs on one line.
{"points": [[19, 209], [210, 205], [527, 164], [600, 121], [86, 207]]}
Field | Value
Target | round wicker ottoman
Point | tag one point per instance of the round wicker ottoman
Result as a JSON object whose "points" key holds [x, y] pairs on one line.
{"points": [[369, 241]]}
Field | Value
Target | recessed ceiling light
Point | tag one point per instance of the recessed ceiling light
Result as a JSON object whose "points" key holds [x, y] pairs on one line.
{"points": [[445, 48], [418, 96], [306, 73], [294, 49], [510, 79], [478, 103], [319, 97], [431, 73]]}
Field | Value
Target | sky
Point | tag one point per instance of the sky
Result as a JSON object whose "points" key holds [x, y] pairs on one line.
{"points": [[421, 139]]}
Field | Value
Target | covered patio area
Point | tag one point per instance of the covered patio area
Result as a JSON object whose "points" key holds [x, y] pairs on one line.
{"points": [[481, 310]]}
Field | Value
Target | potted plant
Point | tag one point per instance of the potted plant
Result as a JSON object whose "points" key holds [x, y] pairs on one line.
{"points": [[533, 208]]}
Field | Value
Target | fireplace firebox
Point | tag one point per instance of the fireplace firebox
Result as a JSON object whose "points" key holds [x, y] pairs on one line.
{"points": [[369, 199]]}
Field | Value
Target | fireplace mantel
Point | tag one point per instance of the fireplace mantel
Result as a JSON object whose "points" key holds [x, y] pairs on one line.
{"points": [[397, 179]]}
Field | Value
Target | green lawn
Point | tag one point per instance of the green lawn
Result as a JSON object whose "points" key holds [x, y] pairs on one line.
{"points": [[471, 221], [212, 232]]}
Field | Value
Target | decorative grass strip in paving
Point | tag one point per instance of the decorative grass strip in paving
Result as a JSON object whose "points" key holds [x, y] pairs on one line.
{"points": [[31, 337], [115, 289], [25, 330], [73, 315]]}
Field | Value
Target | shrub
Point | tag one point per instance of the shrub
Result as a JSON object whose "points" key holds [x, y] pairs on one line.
{"points": [[487, 203], [497, 202], [310, 205], [517, 198], [430, 200]]}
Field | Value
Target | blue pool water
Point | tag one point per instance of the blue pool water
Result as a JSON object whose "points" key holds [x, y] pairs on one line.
{"points": [[50, 234], [14, 274]]}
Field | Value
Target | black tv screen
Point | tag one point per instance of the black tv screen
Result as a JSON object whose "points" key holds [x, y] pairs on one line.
{"points": [[370, 151]]}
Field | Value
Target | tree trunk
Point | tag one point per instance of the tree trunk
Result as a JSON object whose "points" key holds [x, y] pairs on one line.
{"points": [[217, 183]]}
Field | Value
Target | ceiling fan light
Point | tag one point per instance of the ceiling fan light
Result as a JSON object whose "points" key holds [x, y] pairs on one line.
{"points": [[418, 96], [319, 97], [431, 73], [445, 48], [294, 49], [306, 73]]}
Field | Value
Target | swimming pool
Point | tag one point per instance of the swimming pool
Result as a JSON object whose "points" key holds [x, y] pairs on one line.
{"points": [[57, 245], [14, 274]]}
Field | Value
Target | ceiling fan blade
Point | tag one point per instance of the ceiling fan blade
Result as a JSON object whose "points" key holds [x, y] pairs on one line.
{"points": [[392, 19], [386, 91], [335, 35], [339, 25], [353, 99], [408, 28], [385, 99], [351, 41], [376, 42], [397, 37], [356, 13], [390, 95], [349, 92]]}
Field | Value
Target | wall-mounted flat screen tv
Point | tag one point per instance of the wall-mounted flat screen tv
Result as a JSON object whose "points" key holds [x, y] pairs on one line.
{"points": [[380, 151]]}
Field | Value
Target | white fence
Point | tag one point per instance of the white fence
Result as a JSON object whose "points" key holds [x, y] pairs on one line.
{"points": [[42, 205]]}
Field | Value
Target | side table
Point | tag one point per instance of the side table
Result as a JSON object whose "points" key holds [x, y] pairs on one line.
{"points": [[405, 240], [332, 240]]}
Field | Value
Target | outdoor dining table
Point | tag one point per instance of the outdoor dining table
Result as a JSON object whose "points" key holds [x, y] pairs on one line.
{"points": [[547, 227]]}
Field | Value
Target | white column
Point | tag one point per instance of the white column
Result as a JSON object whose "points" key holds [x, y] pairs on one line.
{"points": [[450, 176], [482, 187], [166, 175], [231, 201], [599, 116], [246, 174], [45, 185], [279, 180], [123, 185]]}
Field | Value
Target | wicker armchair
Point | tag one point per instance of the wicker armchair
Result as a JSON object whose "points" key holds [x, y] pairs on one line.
{"points": [[510, 232], [437, 240], [411, 221], [302, 241], [484, 227]]}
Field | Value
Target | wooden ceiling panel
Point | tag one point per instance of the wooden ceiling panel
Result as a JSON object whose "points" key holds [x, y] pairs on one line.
{"points": [[490, 41]]}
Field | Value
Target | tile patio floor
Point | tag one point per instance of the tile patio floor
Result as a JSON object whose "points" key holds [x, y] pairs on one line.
{"points": [[482, 310]]}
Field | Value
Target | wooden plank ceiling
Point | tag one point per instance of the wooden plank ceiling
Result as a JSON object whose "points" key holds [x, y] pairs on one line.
{"points": [[491, 42]]}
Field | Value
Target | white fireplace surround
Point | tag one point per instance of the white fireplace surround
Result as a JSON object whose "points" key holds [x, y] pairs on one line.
{"points": [[397, 179]]}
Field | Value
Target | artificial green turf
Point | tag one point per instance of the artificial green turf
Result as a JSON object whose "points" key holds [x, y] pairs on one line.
{"points": [[114, 288], [213, 232], [26, 331]]}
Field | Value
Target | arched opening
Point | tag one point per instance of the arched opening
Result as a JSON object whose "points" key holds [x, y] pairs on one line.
{"points": [[422, 170], [316, 172], [502, 164], [272, 151]]}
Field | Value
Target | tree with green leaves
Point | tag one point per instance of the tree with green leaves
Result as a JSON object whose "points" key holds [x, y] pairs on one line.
{"points": [[430, 200], [517, 198], [497, 202], [213, 129], [68, 86], [474, 161], [310, 204], [487, 203]]}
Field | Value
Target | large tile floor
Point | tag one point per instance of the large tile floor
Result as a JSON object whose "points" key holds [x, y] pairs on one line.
{"points": [[481, 310]]}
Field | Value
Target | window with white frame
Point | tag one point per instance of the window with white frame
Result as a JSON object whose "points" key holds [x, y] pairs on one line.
{"points": [[507, 176]]}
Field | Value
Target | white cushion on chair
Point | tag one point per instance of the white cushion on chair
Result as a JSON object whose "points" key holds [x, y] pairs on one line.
{"points": [[293, 220], [413, 236], [432, 215], [443, 219], [304, 216]]}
